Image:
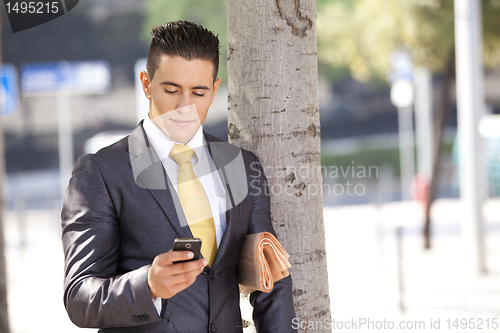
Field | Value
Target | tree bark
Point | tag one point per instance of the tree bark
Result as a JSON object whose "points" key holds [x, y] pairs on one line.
{"points": [[273, 111], [442, 117], [4, 314]]}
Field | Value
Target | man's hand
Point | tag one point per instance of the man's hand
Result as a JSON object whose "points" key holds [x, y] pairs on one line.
{"points": [[166, 278]]}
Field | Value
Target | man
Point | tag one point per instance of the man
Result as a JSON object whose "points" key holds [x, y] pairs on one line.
{"points": [[127, 203]]}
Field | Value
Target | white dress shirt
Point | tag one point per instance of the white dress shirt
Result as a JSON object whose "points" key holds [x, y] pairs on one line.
{"points": [[203, 167]]}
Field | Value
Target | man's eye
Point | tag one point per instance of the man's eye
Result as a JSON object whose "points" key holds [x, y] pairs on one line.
{"points": [[200, 95], [171, 92]]}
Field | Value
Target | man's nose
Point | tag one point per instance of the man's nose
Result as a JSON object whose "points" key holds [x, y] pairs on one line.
{"points": [[188, 110], [184, 101]]}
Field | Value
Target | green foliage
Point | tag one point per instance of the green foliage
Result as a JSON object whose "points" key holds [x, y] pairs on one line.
{"points": [[334, 73], [209, 13], [362, 34], [375, 157], [364, 158], [491, 30]]}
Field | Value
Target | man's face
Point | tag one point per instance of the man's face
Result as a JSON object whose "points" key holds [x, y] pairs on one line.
{"points": [[180, 95]]}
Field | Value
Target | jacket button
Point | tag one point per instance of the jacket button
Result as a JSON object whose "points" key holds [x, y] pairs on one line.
{"points": [[212, 275], [213, 328], [141, 319]]}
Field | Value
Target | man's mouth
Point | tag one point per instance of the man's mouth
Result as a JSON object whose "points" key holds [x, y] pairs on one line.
{"points": [[182, 123]]}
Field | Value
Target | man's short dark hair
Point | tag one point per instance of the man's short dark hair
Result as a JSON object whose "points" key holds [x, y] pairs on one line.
{"points": [[184, 39]]}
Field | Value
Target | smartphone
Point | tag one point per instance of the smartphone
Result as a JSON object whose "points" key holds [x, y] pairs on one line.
{"points": [[188, 244]]}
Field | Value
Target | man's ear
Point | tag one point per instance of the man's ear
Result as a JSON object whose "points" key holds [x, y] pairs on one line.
{"points": [[146, 84], [216, 87]]}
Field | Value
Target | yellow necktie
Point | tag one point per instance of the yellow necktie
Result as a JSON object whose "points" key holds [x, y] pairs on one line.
{"points": [[194, 202]]}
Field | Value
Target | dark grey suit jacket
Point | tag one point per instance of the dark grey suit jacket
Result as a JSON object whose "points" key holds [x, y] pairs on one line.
{"points": [[119, 213]]}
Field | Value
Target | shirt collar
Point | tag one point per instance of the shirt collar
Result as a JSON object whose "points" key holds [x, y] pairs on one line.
{"points": [[162, 143]]}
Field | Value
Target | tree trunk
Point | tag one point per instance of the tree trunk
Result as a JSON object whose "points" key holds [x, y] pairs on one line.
{"points": [[442, 117], [273, 111], [4, 317]]}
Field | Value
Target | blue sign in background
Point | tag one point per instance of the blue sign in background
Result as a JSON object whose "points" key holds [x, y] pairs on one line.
{"points": [[9, 91], [401, 66], [79, 77]]}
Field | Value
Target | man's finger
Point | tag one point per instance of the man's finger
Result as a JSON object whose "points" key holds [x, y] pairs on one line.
{"points": [[185, 267], [172, 256], [180, 279]]}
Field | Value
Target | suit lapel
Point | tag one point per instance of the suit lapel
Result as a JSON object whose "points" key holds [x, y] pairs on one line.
{"points": [[222, 157], [150, 174]]}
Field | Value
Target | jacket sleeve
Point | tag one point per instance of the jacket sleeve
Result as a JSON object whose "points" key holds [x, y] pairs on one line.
{"points": [[273, 312], [94, 295]]}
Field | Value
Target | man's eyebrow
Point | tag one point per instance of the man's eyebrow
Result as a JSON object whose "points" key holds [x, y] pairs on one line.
{"points": [[167, 83]]}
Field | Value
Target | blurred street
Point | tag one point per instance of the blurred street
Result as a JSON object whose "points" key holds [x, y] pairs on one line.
{"points": [[363, 275], [35, 272]]}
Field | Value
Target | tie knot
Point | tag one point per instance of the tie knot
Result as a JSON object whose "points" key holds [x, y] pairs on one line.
{"points": [[181, 153]]}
